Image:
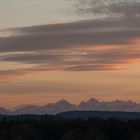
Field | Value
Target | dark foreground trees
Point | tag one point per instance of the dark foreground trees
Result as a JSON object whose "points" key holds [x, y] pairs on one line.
{"points": [[90, 134], [51, 128]]}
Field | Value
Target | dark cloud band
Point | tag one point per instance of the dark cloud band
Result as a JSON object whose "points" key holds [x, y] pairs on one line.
{"points": [[75, 46]]}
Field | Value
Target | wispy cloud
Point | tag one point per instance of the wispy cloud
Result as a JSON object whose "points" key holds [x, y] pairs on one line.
{"points": [[106, 43]]}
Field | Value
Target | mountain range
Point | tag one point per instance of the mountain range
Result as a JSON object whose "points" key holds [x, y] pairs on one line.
{"points": [[64, 106]]}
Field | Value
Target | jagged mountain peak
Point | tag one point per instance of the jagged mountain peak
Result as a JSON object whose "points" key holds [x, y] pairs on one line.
{"points": [[123, 102], [89, 105], [23, 106], [93, 100], [64, 105], [62, 101]]}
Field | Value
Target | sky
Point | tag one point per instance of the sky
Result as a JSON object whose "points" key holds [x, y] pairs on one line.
{"points": [[73, 50]]}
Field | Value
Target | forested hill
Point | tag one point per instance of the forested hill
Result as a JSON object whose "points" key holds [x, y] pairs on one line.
{"points": [[99, 114], [76, 115]]}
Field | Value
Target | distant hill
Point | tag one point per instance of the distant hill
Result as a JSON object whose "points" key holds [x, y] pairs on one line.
{"points": [[64, 106], [99, 114]]}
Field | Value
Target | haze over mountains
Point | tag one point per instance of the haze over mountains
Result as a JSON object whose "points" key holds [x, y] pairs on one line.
{"points": [[64, 106]]}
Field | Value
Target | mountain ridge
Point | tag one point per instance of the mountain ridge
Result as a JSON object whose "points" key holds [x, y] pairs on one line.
{"points": [[64, 106]]}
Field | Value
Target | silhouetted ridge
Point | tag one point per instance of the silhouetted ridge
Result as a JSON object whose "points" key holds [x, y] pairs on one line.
{"points": [[99, 114], [64, 106]]}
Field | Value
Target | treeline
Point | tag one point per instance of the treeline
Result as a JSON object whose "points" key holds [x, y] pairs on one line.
{"points": [[52, 128]]}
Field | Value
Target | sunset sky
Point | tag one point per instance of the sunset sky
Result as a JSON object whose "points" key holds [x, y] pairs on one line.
{"points": [[71, 49]]}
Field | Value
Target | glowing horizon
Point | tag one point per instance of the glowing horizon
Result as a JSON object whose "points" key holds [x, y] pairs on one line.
{"points": [[73, 50]]}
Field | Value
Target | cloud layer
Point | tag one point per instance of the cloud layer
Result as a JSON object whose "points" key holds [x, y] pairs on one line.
{"points": [[106, 43]]}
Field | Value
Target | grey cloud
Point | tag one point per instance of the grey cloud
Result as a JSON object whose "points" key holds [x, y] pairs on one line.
{"points": [[105, 31], [124, 8], [45, 40], [77, 61]]}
